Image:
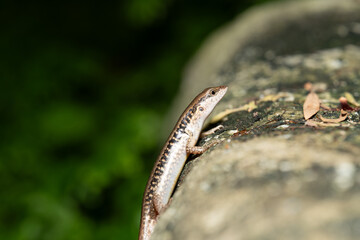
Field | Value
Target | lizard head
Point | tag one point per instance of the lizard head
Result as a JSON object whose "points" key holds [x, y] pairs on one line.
{"points": [[208, 99]]}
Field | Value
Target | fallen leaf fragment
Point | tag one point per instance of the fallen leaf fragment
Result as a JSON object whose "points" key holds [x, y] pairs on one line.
{"points": [[344, 104], [311, 105], [350, 99], [319, 87], [325, 107], [342, 117], [316, 87], [313, 123], [274, 97], [211, 131], [308, 86], [248, 107]]}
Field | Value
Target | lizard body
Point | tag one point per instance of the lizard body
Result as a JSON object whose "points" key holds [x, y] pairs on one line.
{"points": [[172, 158]]}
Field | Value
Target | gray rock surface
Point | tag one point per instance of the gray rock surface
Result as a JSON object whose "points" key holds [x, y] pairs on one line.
{"points": [[273, 176]]}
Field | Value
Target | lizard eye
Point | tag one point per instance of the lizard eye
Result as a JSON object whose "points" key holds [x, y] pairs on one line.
{"points": [[212, 92], [201, 109]]}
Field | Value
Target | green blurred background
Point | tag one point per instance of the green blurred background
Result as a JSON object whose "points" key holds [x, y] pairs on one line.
{"points": [[84, 89]]}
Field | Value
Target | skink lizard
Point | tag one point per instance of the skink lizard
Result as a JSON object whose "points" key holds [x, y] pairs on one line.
{"points": [[172, 158]]}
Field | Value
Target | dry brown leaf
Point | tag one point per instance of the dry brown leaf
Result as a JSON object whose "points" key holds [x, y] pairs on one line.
{"points": [[311, 105], [342, 117], [350, 98]]}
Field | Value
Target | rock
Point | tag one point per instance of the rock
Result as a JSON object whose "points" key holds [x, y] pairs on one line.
{"points": [[273, 176]]}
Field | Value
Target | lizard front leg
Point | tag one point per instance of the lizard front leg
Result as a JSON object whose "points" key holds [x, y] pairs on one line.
{"points": [[198, 149]]}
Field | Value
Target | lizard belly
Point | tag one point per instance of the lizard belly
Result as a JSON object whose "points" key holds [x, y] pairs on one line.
{"points": [[172, 169]]}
